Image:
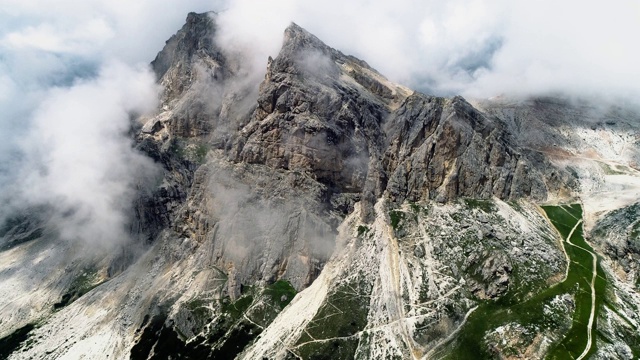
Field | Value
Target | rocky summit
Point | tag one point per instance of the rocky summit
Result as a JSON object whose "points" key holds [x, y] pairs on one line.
{"points": [[325, 212]]}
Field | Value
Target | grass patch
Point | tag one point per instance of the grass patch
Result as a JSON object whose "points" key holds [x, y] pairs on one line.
{"points": [[362, 230], [515, 205], [457, 217], [192, 152], [159, 340], [483, 205], [415, 208], [201, 152], [579, 278], [330, 350], [176, 148], [610, 170], [396, 217], [81, 285], [237, 308], [224, 336], [280, 293], [343, 314], [199, 309]]}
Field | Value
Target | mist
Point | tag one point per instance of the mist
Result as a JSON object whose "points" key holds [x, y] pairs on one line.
{"points": [[73, 76], [78, 157], [471, 47]]}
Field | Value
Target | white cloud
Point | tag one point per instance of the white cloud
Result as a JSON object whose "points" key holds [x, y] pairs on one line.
{"points": [[473, 47], [573, 46], [84, 38], [78, 157], [133, 31], [71, 73]]}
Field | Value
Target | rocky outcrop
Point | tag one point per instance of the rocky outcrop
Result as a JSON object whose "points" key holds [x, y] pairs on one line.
{"points": [[190, 56], [444, 148], [203, 94], [493, 277], [617, 234]]}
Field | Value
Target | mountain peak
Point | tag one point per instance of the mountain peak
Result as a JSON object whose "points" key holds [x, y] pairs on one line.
{"points": [[294, 28], [297, 39], [194, 17], [195, 38]]}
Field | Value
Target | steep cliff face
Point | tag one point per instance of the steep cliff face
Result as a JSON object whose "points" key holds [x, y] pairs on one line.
{"points": [[324, 212], [321, 112], [334, 117], [263, 223], [443, 149]]}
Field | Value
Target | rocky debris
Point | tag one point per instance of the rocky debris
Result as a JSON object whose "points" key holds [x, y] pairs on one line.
{"points": [[428, 273], [493, 279], [614, 351], [515, 341], [590, 138], [529, 341], [561, 127]]}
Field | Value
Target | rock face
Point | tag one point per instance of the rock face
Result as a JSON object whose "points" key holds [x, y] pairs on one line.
{"points": [[321, 112], [262, 222], [494, 272], [334, 117], [618, 235], [444, 148], [324, 212], [189, 56]]}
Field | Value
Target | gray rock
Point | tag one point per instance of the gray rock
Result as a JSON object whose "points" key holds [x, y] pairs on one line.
{"points": [[494, 274]]}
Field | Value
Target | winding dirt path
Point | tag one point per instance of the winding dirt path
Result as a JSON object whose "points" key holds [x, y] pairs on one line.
{"points": [[455, 332], [593, 307], [593, 289]]}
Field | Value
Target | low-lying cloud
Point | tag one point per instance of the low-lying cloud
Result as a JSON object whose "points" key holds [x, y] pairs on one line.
{"points": [[78, 158], [72, 75]]}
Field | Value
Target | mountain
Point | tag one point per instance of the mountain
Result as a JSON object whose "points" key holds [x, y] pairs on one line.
{"points": [[328, 213]]}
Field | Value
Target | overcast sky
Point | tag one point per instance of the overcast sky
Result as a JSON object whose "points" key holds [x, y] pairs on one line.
{"points": [[477, 48], [71, 71], [473, 47]]}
